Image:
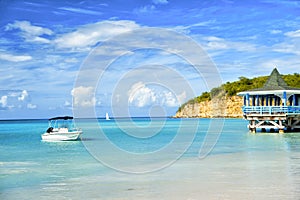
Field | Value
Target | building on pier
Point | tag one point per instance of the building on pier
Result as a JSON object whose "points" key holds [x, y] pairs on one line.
{"points": [[275, 106]]}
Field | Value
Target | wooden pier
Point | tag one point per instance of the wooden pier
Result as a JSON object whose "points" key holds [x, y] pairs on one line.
{"points": [[272, 118], [275, 107]]}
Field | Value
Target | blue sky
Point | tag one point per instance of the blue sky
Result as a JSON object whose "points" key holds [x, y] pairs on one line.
{"points": [[44, 45]]}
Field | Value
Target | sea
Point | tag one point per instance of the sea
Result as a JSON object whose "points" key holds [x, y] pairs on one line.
{"points": [[149, 158]]}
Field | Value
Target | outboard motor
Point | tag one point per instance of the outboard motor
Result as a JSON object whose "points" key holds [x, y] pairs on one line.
{"points": [[50, 129]]}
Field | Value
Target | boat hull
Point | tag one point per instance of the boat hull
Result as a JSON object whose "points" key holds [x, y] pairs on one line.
{"points": [[70, 136]]}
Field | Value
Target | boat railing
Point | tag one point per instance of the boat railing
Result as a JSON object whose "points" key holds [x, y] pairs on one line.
{"points": [[271, 109]]}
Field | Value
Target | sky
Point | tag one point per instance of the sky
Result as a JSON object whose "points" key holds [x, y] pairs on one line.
{"points": [[136, 57]]}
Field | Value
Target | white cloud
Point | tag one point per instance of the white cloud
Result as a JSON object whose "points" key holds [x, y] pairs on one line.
{"points": [[186, 29], [67, 104], [285, 66], [3, 101], [23, 95], [291, 48], [169, 99], [80, 10], [182, 98], [150, 8], [275, 31], [71, 60], [28, 28], [38, 40], [160, 1], [89, 35], [83, 96], [293, 33], [140, 95], [30, 32], [14, 58], [15, 99], [31, 106], [145, 9], [216, 43], [291, 44]]}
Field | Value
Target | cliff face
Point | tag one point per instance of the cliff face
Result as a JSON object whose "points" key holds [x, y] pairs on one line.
{"points": [[221, 106]]}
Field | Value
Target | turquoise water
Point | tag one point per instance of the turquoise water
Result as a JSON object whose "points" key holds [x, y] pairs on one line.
{"points": [[31, 168]]}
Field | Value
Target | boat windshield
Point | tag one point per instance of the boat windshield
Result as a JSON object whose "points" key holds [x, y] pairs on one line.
{"points": [[62, 122]]}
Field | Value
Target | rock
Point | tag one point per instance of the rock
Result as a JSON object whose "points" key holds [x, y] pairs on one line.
{"points": [[219, 106]]}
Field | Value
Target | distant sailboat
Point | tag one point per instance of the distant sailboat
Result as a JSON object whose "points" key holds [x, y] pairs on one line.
{"points": [[106, 116]]}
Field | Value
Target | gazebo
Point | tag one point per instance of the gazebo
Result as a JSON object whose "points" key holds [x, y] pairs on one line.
{"points": [[275, 106]]}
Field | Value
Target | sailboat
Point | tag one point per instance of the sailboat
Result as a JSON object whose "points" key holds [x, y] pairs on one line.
{"points": [[106, 116]]}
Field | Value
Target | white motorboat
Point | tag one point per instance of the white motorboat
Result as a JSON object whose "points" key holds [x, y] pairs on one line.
{"points": [[61, 129]]}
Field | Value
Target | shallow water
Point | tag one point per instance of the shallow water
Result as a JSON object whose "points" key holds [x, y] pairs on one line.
{"points": [[240, 166]]}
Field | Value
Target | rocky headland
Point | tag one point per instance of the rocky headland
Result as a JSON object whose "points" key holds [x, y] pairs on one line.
{"points": [[222, 102], [228, 107]]}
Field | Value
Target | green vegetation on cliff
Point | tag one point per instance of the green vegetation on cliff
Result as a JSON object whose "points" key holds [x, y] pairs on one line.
{"points": [[243, 84]]}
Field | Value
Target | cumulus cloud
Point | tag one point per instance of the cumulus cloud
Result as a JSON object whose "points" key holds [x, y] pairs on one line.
{"points": [[141, 95], [89, 35], [30, 32], [23, 95], [16, 99], [3, 101], [14, 58], [169, 99], [83, 96]]}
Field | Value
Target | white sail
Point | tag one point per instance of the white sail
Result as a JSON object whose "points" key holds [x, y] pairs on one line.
{"points": [[106, 116]]}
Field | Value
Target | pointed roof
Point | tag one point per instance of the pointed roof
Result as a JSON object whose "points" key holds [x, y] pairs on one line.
{"points": [[275, 84]]}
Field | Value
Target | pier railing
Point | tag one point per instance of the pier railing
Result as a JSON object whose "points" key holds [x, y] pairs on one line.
{"points": [[271, 109]]}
